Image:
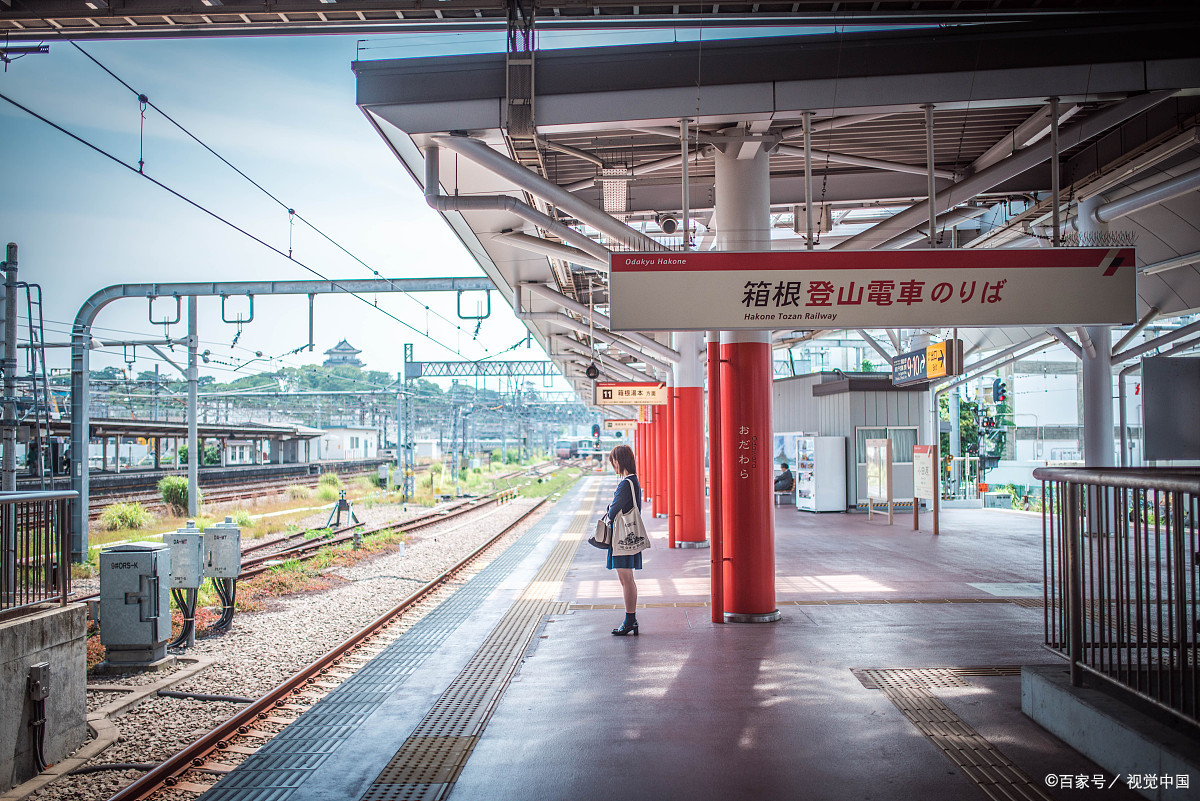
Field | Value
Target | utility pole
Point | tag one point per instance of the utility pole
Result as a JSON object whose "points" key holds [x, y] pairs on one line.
{"points": [[8, 464], [194, 454]]}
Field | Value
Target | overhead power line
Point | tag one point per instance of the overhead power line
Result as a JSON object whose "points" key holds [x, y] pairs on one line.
{"points": [[223, 220]]}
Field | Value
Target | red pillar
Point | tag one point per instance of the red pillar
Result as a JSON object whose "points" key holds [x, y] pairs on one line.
{"points": [[748, 522], [688, 432], [660, 472], [669, 465]]}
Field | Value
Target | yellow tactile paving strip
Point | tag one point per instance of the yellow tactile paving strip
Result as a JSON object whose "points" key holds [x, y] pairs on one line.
{"points": [[831, 602], [430, 760], [979, 760]]}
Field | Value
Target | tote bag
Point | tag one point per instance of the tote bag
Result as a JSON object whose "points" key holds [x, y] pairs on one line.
{"points": [[629, 533]]}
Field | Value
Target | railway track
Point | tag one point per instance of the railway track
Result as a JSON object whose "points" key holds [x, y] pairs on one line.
{"points": [[302, 546], [299, 546], [315, 679]]}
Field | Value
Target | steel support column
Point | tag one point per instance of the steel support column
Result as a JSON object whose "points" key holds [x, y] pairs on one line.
{"points": [[1097, 369], [747, 514], [670, 466], [688, 511], [717, 560]]}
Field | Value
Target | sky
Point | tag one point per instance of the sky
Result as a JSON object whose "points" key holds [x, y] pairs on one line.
{"points": [[281, 110]]}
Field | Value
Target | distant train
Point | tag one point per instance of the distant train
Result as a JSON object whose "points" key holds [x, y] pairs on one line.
{"points": [[586, 447]]}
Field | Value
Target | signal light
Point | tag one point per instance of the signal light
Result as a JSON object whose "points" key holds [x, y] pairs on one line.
{"points": [[999, 391], [596, 430]]}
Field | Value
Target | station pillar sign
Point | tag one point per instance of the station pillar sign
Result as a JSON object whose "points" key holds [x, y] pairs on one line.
{"points": [[925, 364], [631, 393], [620, 425]]}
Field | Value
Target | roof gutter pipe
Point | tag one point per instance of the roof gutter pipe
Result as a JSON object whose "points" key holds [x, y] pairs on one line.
{"points": [[535, 244], [1150, 196], [560, 319], [648, 343], [440, 202], [1001, 171], [504, 167]]}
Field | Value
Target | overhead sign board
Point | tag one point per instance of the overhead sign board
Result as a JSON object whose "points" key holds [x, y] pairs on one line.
{"points": [[872, 289], [620, 425], [626, 393], [935, 361]]}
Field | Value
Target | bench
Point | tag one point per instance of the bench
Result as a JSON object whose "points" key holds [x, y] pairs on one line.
{"points": [[783, 496]]}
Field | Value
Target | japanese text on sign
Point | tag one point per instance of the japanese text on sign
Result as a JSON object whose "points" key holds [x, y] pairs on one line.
{"points": [[828, 289], [645, 393]]}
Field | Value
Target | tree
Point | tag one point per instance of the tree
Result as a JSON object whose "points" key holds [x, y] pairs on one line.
{"points": [[867, 367], [967, 422], [212, 455]]}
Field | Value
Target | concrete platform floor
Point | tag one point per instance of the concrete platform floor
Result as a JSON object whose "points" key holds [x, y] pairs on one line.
{"points": [[694, 710]]}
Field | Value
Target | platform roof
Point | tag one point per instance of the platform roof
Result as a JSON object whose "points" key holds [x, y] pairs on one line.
{"points": [[99, 19], [1128, 91]]}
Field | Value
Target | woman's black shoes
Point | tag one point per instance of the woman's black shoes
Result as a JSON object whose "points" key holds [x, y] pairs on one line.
{"points": [[626, 628]]}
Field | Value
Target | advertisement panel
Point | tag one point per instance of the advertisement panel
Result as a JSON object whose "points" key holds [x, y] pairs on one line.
{"points": [[872, 289]]}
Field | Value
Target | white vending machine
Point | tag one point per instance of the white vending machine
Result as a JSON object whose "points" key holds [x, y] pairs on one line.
{"points": [[821, 474]]}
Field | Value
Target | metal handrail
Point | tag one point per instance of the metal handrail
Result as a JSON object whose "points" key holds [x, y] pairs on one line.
{"points": [[1122, 581], [1136, 478], [38, 495]]}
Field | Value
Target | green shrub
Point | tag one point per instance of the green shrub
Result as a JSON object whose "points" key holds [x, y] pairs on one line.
{"points": [[241, 518], [298, 491], [119, 516], [174, 493], [331, 480], [327, 493]]}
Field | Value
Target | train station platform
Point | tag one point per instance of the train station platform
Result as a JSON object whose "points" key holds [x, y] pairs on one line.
{"points": [[893, 674]]}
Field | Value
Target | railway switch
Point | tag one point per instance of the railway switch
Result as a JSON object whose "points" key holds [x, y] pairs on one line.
{"points": [[135, 603], [186, 551], [223, 550]]}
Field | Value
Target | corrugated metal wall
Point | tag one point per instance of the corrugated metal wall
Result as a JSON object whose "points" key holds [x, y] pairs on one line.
{"points": [[795, 409]]}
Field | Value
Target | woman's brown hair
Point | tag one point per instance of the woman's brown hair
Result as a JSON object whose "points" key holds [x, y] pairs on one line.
{"points": [[622, 457]]}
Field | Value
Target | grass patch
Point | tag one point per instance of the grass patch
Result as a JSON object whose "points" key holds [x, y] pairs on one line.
{"points": [[299, 492], [129, 516], [330, 480], [558, 482], [295, 576]]}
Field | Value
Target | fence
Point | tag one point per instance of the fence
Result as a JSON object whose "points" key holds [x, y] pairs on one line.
{"points": [[1121, 579], [35, 541]]}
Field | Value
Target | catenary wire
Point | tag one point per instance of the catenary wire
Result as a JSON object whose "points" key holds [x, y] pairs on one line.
{"points": [[291, 210], [226, 222]]}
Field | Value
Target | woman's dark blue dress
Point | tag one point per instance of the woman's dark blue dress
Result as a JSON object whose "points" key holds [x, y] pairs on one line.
{"points": [[629, 491]]}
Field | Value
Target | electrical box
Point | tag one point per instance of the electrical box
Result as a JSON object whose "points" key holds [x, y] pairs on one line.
{"points": [[135, 602], [186, 557], [223, 550]]}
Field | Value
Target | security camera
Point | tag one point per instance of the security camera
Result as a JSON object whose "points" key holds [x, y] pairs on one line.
{"points": [[668, 223], [592, 372]]}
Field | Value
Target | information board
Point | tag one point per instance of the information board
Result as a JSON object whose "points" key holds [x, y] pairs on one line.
{"points": [[923, 472], [879, 470], [620, 425], [872, 289], [629, 393]]}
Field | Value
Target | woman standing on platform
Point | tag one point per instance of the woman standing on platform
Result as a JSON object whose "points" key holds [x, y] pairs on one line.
{"points": [[628, 492]]}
